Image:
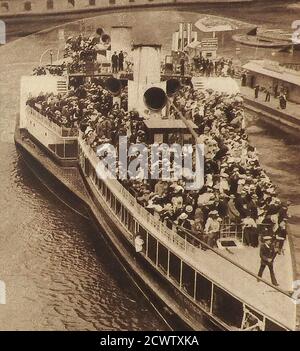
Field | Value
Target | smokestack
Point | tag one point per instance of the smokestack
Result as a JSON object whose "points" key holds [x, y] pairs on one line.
{"points": [[146, 84], [146, 67], [189, 32], [181, 36]]}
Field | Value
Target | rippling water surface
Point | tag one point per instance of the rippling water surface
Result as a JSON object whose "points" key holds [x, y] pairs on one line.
{"points": [[58, 272]]}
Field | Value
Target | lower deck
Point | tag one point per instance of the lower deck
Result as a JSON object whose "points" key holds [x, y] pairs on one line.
{"points": [[248, 257], [224, 271], [224, 274]]}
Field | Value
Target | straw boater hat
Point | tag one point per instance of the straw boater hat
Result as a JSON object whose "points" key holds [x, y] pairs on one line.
{"points": [[267, 237], [224, 175], [189, 209], [183, 216]]}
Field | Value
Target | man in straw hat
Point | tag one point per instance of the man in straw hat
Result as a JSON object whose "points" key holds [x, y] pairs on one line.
{"points": [[267, 256]]}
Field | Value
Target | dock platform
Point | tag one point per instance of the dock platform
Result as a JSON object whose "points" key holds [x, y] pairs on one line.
{"points": [[287, 120]]}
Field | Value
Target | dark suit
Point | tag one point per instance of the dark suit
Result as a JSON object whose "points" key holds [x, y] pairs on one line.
{"points": [[182, 64], [239, 204], [267, 256], [121, 61], [115, 63]]}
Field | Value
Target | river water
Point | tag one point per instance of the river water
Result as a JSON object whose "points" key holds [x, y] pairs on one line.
{"points": [[58, 276]]}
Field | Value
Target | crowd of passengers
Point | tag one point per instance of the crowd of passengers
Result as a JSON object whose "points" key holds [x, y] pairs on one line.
{"points": [[55, 70], [80, 50], [237, 190], [85, 105], [208, 68]]}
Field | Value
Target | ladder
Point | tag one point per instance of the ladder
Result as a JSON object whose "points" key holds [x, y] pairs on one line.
{"points": [[62, 86]]}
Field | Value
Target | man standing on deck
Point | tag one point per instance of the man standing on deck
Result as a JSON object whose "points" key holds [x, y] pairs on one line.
{"points": [[182, 66], [121, 61], [115, 62], [267, 256], [212, 228]]}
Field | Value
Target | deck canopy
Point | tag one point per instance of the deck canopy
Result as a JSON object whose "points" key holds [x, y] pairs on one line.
{"points": [[162, 130]]}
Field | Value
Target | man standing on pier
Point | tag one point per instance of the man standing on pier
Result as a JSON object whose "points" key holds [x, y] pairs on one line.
{"points": [[282, 101], [256, 91], [267, 256], [268, 94]]}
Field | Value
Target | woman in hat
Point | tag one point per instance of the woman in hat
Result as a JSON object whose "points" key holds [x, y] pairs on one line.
{"points": [[281, 235], [250, 231], [212, 228]]}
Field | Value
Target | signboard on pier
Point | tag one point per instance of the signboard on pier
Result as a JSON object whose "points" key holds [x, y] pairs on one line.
{"points": [[209, 44]]}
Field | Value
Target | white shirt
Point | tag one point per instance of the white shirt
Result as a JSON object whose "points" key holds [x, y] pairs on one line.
{"points": [[212, 225], [249, 222]]}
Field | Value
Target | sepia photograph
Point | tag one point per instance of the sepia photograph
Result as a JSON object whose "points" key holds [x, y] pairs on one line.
{"points": [[150, 168]]}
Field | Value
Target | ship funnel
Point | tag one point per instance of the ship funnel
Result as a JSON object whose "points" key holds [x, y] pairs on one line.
{"points": [[181, 36], [146, 92], [155, 98], [189, 29], [113, 85], [173, 85]]}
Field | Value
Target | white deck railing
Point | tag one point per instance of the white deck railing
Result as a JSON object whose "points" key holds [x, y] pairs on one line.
{"points": [[62, 132]]}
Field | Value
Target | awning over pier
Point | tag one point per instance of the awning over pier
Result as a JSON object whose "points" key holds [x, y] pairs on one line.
{"points": [[280, 73]]}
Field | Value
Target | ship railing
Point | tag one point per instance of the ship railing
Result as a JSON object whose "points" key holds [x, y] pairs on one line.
{"points": [[63, 132], [231, 229], [179, 236], [235, 229], [291, 66], [192, 242], [184, 238]]}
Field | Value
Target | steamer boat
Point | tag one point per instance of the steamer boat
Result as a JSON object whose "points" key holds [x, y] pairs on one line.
{"points": [[194, 285]]}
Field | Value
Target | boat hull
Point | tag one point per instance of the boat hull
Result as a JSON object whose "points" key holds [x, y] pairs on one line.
{"points": [[182, 315]]}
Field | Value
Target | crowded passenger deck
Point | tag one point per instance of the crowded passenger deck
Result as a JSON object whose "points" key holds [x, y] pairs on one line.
{"points": [[237, 200], [219, 227]]}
